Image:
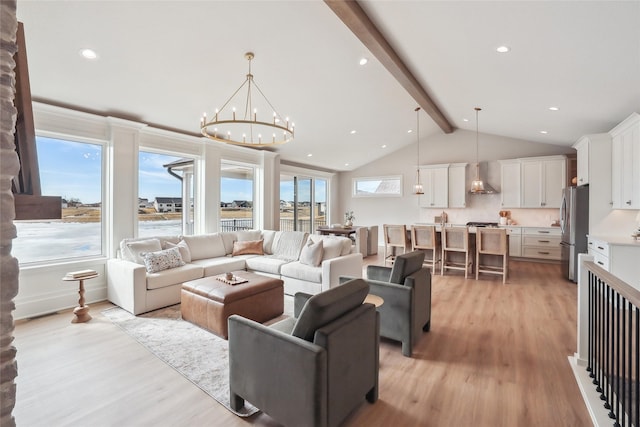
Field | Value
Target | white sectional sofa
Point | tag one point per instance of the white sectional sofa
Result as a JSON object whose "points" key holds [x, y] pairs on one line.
{"points": [[148, 272]]}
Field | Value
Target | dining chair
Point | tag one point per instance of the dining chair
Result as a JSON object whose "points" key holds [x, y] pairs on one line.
{"points": [[455, 240], [425, 238], [492, 241], [395, 236]]}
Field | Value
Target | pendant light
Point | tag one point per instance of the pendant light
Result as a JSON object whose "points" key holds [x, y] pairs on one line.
{"points": [[417, 187], [477, 186]]}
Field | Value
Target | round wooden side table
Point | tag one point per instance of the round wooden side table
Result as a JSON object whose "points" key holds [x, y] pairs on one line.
{"points": [[81, 312]]}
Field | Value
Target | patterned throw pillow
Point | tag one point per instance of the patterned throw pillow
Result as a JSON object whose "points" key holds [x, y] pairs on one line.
{"points": [[185, 253], [162, 260]]}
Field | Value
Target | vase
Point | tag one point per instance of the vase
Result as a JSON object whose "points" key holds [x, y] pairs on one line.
{"points": [[348, 223]]}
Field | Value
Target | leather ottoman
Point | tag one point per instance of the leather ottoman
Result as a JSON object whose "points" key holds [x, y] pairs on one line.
{"points": [[208, 302]]}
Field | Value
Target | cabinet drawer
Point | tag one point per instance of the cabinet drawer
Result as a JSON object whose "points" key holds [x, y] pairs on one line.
{"points": [[542, 231], [541, 241], [601, 260], [598, 247], [541, 253], [513, 230]]}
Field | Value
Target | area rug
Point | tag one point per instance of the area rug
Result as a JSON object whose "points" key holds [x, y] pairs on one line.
{"points": [[197, 354]]}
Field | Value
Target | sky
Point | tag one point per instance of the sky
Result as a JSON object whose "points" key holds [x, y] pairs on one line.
{"points": [[72, 170]]}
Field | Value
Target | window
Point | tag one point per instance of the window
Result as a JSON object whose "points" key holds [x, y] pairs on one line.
{"points": [[236, 196], [165, 194], [380, 186], [303, 203], [74, 171]]}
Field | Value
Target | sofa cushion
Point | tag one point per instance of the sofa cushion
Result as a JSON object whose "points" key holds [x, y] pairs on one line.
{"points": [[228, 237], [289, 245], [162, 260], [333, 246], [134, 249], [247, 235], [311, 253], [174, 276], [297, 270], [205, 246], [182, 247], [268, 236], [125, 253], [248, 247], [329, 305], [266, 264], [219, 265]]}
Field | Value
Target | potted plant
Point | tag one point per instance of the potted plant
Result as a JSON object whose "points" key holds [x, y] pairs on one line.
{"points": [[348, 218]]}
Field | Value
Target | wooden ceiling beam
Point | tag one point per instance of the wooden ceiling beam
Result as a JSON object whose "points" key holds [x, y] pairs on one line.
{"points": [[355, 18]]}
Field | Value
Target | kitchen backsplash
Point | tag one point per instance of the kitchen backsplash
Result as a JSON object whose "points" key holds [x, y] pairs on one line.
{"points": [[486, 208]]}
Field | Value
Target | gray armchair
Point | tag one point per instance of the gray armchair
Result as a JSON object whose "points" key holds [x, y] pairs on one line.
{"points": [[406, 291], [313, 369]]}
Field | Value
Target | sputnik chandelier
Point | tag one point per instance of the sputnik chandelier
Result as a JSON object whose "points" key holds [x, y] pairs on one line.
{"points": [[248, 128]]}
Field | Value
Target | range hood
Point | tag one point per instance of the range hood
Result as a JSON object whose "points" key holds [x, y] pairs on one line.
{"points": [[481, 174]]}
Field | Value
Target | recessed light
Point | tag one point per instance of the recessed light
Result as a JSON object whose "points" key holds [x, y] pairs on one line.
{"points": [[544, 132], [346, 164], [352, 132], [309, 155], [554, 108], [384, 146], [503, 49], [88, 53], [363, 61], [410, 130], [465, 120]]}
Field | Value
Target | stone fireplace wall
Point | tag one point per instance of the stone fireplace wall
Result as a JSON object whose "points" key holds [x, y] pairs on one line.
{"points": [[9, 166]]}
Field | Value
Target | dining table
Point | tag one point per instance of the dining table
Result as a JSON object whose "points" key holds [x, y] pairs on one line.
{"points": [[337, 231]]}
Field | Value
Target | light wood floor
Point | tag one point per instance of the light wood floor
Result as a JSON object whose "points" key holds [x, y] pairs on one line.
{"points": [[496, 356]]}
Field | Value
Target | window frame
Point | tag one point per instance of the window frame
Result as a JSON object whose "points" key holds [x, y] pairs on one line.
{"points": [[356, 180], [104, 176]]}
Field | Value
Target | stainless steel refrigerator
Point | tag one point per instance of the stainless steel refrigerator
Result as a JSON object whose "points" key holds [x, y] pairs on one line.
{"points": [[574, 225]]}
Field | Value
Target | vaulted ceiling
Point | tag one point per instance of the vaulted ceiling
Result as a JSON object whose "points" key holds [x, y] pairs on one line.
{"points": [[166, 62]]}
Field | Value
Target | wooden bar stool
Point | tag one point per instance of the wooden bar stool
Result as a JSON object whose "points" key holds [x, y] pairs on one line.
{"points": [[425, 238], [395, 236], [492, 241], [455, 240]]}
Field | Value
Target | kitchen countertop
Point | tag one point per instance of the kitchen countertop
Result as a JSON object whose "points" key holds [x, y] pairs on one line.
{"points": [[617, 240]]}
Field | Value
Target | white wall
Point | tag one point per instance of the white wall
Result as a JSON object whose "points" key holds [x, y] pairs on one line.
{"points": [[457, 147]]}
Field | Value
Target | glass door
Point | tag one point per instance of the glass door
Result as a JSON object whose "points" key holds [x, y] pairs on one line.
{"points": [[303, 203]]}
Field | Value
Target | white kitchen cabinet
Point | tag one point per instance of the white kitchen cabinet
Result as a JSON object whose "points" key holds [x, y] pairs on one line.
{"points": [[457, 185], [435, 182], [515, 240], [594, 168], [510, 183], [582, 149], [541, 242], [619, 256], [542, 181], [625, 164]]}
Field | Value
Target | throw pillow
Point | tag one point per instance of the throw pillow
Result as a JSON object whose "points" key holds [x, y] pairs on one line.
{"points": [[136, 249], [162, 260], [182, 247], [311, 253], [248, 247], [332, 246]]}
